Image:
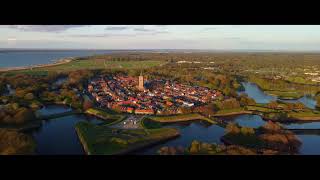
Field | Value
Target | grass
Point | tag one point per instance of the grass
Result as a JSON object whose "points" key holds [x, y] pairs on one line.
{"points": [[304, 114], [150, 124], [105, 115], [260, 109], [96, 64], [180, 118], [285, 94], [103, 140], [226, 112]]}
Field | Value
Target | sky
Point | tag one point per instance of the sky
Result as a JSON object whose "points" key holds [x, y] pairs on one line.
{"points": [[211, 37]]}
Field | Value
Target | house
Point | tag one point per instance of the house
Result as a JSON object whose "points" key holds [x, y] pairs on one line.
{"points": [[130, 110], [144, 111]]}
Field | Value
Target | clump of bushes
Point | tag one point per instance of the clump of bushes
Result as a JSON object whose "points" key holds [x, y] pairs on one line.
{"points": [[15, 143], [13, 114]]}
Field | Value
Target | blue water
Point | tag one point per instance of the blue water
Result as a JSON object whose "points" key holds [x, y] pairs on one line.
{"points": [[53, 109], [310, 144], [247, 120], [34, 57], [188, 133], [259, 96], [58, 136]]}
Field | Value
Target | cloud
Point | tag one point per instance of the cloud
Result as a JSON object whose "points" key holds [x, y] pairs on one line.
{"points": [[232, 38], [143, 29], [44, 28], [12, 39], [116, 28]]}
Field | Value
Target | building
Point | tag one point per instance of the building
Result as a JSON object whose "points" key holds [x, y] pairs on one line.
{"points": [[144, 111], [141, 83]]}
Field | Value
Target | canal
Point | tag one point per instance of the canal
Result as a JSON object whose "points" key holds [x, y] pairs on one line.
{"points": [[58, 136]]}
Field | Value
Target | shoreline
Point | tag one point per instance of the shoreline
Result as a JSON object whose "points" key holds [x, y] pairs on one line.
{"points": [[55, 63]]}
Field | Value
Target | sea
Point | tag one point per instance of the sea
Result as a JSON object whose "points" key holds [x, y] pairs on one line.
{"points": [[20, 58], [10, 58]]}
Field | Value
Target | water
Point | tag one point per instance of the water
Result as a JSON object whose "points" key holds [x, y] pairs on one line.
{"points": [[53, 109], [259, 96], [58, 136], [35, 57], [9, 91], [247, 120], [188, 132], [310, 144], [307, 125], [60, 81]]}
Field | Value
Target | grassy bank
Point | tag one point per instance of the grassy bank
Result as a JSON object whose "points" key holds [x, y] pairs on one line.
{"points": [[103, 140], [105, 115], [180, 118], [285, 94], [231, 112]]}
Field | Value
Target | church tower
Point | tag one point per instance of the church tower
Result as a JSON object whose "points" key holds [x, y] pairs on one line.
{"points": [[141, 82]]}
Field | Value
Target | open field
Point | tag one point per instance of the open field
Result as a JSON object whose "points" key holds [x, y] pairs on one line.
{"points": [[103, 140], [180, 118], [88, 64]]}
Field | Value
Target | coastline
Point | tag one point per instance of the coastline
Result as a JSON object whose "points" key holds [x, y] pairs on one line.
{"points": [[55, 63]]}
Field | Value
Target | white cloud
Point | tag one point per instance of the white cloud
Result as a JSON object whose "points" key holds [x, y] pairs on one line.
{"points": [[44, 28]]}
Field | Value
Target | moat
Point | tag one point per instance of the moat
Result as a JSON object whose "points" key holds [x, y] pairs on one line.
{"points": [[58, 136]]}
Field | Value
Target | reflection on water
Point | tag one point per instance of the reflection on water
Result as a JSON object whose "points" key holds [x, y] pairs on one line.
{"points": [[53, 109], [310, 144], [246, 120], [259, 96], [60, 81], [308, 125], [188, 132], [58, 136]]}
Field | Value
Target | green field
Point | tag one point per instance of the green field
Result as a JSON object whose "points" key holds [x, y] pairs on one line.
{"points": [[103, 140], [89, 64], [100, 64], [229, 112], [180, 118], [285, 94]]}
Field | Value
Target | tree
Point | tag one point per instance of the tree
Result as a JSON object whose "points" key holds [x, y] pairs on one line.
{"points": [[24, 115], [14, 143], [29, 96], [272, 105], [195, 147], [232, 128], [299, 106]]}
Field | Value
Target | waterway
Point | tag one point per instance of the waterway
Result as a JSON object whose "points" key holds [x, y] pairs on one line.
{"points": [[20, 58], [189, 131], [310, 143], [259, 96], [58, 136]]}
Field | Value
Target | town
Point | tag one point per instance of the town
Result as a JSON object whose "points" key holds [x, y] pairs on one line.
{"points": [[141, 96]]}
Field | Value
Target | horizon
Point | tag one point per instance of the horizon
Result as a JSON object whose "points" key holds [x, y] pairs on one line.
{"points": [[163, 37], [172, 50]]}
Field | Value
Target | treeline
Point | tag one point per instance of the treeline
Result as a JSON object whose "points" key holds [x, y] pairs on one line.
{"points": [[281, 85], [15, 143]]}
